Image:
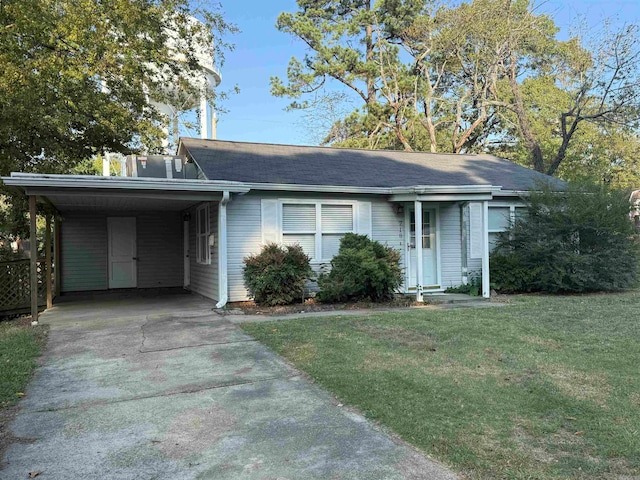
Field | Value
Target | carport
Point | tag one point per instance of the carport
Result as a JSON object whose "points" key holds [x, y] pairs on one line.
{"points": [[126, 232]]}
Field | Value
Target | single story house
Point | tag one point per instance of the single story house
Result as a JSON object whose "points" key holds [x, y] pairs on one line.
{"points": [[192, 223]]}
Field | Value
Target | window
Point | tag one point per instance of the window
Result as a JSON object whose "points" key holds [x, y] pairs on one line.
{"points": [[499, 220], [203, 252], [426, 229], [317, 227]]}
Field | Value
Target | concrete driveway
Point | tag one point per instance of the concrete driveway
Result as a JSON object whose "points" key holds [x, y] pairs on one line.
{"points": [[166, 388]]}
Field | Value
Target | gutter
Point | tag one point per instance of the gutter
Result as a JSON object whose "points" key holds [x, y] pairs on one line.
{"points": [[26, 180]]}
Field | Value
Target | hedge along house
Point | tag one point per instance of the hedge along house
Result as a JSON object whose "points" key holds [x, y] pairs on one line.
{"points": [[191, 221]]}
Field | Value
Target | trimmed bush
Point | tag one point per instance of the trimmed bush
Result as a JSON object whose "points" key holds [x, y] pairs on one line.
{"points": [[578, 241], [277, 275], [362, 269]]}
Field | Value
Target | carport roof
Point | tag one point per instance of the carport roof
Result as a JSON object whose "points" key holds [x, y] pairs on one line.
{"points": [[89, 192]]}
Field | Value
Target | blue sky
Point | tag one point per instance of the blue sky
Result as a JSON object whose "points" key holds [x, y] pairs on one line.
{"points": [[261, 52]]}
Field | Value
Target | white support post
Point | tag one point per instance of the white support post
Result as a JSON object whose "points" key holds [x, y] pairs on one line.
{"points": [[486, 288], [222, 251], [419, 273], [106, 164], [204, 117], [33, 260]]}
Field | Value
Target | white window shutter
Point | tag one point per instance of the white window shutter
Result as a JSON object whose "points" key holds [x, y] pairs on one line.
{"points": [[364, 218], [476, 230], [270, 223]]}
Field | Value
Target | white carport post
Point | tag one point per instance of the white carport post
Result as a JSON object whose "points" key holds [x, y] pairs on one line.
{"points": [[486, 288], [205, 132], [33, 260], [418, 240], [222, 251]]}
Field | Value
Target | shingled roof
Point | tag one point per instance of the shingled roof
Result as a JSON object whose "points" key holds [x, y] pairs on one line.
{"points": [[300, 165]]}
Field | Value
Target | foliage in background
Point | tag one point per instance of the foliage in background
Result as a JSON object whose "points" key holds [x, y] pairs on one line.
{"points": [[277, 275], [75, 77], [362, 269], [578, 241], [478, 76]]}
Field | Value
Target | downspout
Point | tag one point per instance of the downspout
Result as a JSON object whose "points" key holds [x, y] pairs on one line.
{"points": [[223, 287]]}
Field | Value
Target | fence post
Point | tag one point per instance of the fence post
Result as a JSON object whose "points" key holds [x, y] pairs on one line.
{"points": [[47, 259], [33, 260]]}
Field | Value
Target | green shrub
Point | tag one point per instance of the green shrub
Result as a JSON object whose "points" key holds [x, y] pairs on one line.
{"points": [[277, 275], [473, 288], [578, 241], [362, 269]]}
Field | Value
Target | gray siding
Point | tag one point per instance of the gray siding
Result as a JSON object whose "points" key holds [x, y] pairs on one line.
{"points": [[83, 249], [159, 238], [450, 245], [386, 225], [204, 278], [245, 236]]}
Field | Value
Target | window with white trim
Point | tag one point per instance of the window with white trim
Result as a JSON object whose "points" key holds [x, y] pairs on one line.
{"points": [[203, 252], [317, 227], [500, 218]]}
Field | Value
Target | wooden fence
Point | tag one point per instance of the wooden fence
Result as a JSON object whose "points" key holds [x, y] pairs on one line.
{"points": [[15, 286]]}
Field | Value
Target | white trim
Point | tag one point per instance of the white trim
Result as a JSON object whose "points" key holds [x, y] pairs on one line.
{"points": [[223, 282], [122, 183]]}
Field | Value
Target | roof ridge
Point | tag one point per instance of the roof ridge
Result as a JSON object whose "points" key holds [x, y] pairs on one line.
{"points": [[323, 147]]}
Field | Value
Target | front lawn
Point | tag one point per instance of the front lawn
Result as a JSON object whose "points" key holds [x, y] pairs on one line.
{"points": [[546, 388], [20, 344]]}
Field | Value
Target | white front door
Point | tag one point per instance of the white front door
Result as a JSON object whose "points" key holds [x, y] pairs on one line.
{"points": [[123, 271], [186, 253], [429, 249]]}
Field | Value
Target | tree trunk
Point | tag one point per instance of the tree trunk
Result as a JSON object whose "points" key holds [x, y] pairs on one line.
{"points": [[371, 93], [523, 122]]}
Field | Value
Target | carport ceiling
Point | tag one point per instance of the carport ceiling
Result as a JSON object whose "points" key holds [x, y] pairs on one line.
{"points": [[123, 203]]}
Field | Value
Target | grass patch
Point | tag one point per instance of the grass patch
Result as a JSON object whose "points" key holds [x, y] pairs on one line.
{"points": [[548, 387], [20, 345]]}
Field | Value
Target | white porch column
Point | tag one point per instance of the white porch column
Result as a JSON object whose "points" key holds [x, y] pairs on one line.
{"points": [[204, 117], [33, 260], [419, 273], [486, 288], [222, 251]]}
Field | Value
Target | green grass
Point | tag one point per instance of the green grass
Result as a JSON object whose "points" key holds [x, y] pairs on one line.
{"points": [[20, 345], [546, 388]]}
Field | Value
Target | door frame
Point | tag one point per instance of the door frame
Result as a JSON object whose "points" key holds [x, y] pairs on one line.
{"points": [[135, 252], [434, 208]]}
